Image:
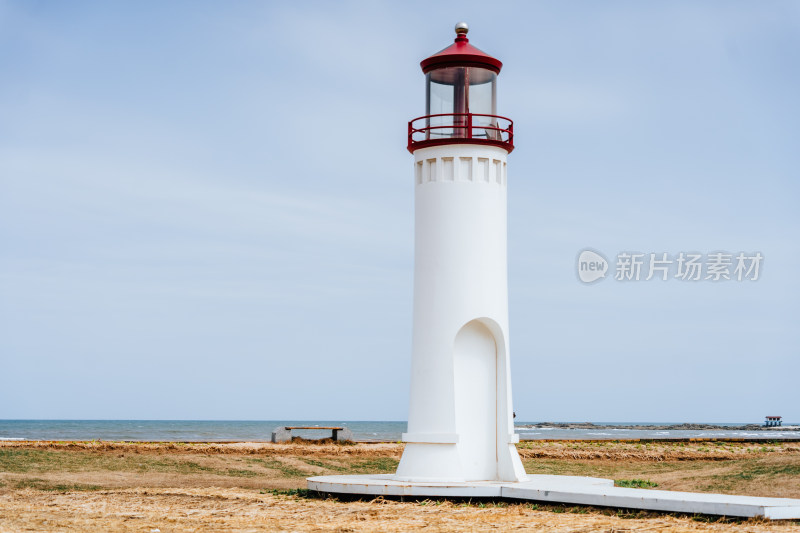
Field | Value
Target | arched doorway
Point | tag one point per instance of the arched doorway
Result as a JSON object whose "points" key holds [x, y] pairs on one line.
{"points": [[475, 375]]}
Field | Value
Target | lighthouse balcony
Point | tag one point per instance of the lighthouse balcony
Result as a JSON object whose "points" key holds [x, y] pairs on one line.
{"points": [[460, 128]]}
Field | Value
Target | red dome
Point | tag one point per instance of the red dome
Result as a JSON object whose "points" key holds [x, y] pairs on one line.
{"points": [[461, 54]]}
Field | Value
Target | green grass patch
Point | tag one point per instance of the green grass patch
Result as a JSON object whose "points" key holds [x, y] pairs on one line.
{"points": [[379, 465], [745, 472], [286, 470], [612, 470], [42, 484], [23, 461], [760, 469], [237, 472], [635, 483], [150, 464], [299, 493], [327, 465]]}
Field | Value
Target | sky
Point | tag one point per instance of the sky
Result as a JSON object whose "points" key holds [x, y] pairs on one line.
{"points": [[206, 208]]}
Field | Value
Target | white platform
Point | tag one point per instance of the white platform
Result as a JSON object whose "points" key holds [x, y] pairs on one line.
{"points": [[565, 489]]}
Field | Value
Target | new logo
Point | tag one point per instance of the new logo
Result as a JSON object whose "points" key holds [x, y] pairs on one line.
{"points": [[591, 266]]}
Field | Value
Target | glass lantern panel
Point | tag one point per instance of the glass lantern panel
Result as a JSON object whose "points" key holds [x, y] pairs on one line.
{"points": [[483, 101], [456, 91]]}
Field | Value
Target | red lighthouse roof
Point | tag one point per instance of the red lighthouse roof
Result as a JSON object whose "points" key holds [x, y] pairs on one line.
{"points": [[461, 54]]}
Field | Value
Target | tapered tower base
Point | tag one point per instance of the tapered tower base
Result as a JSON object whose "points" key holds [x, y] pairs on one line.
{"points": [[460, 421]]}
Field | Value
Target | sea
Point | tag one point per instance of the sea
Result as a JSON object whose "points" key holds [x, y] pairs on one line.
{"points": [[255, 431]]}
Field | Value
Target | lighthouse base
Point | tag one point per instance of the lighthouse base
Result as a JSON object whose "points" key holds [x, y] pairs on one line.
{"points": [[564, 489]]}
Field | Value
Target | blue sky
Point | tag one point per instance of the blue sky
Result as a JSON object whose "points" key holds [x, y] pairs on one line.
{"points": [[206, 209]]}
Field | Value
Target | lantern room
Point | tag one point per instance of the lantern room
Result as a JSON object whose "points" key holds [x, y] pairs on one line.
{"points": [[460, 99]]}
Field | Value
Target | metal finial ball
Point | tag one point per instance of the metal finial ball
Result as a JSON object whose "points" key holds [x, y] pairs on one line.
{"points": [[462, 28]]}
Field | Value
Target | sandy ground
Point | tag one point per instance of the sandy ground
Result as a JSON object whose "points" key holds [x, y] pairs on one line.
{"points": [[248, 487]]}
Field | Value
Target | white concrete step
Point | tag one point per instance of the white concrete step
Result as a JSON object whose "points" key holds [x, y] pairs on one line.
{"points": [[655, 500], [565, 489]]}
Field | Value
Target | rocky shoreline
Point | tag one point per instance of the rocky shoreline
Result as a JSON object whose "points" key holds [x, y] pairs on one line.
{"points": [[687, 427]]}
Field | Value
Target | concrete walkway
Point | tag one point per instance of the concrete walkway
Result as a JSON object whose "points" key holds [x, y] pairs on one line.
{"points": [[565, 489]]}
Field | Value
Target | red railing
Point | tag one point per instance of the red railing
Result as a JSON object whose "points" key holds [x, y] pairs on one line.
{"points": [[455, 128]]}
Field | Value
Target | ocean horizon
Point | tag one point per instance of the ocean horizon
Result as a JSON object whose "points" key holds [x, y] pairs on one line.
{"points": [[261, 430]]}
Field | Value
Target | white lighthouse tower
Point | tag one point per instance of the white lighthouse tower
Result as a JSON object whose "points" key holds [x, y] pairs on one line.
{"points": [[460, 422], [460, 439]]}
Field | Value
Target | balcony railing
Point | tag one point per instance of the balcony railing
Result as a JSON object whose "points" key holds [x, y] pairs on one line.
{"points": [[460, 128]]}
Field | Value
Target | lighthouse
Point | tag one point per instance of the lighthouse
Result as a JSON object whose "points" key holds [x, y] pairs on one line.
{"points": [[460, 421], [460, 440]]}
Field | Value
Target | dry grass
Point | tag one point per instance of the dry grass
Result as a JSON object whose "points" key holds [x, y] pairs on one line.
{"points": [[239, 510], [98, 486], [237, 448], [653, 451]]}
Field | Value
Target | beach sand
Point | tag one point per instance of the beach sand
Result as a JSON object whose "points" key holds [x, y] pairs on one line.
{"points": [[100, 486]]}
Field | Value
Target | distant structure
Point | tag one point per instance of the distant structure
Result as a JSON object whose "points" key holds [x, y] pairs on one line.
{"points": [[773, 421]]}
